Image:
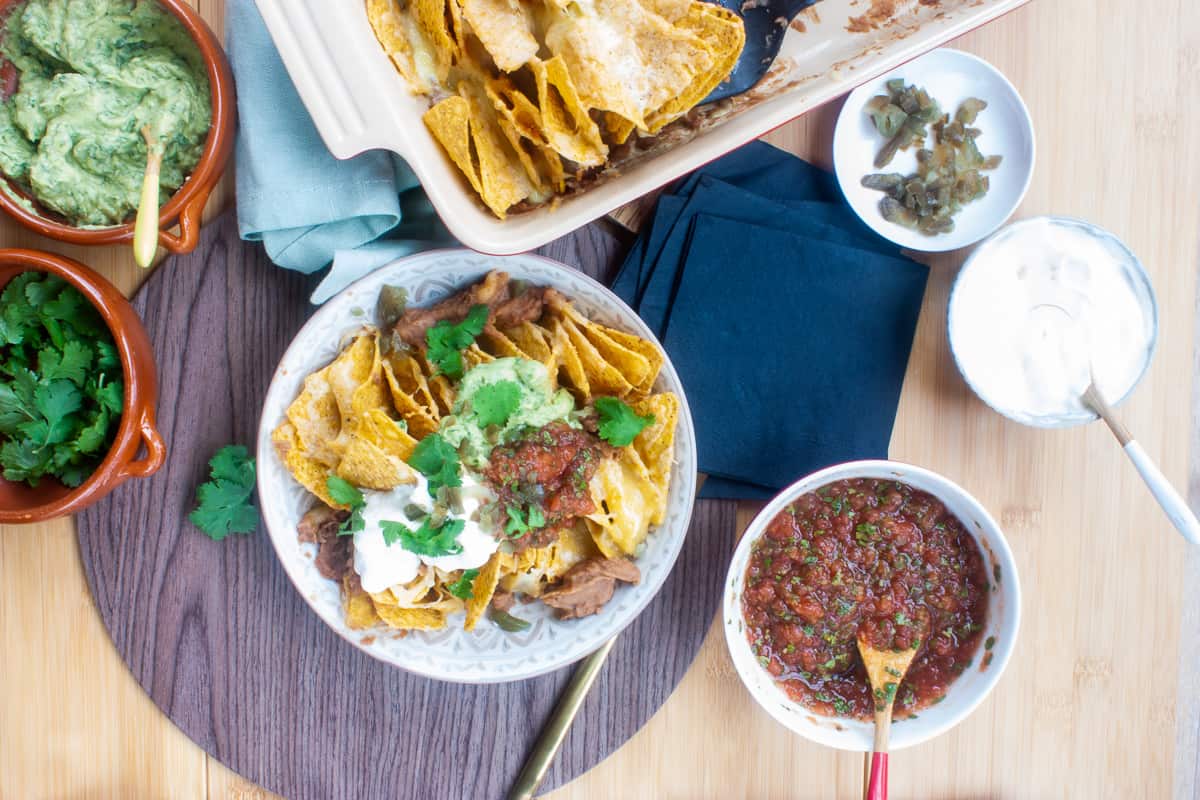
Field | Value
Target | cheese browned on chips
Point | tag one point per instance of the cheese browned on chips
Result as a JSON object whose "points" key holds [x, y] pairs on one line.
{"points": [[529, 94]]}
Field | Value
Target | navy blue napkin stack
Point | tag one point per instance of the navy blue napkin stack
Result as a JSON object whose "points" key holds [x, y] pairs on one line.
{"points": [[789, 321]]}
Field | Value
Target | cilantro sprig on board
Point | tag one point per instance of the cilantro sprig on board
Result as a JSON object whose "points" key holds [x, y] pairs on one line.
{"points": [[61, 387], [446, 340], [619, 424], [223, 503]]}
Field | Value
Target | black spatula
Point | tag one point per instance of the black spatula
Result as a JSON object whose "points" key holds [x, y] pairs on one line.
{"points": [[764, 35]]}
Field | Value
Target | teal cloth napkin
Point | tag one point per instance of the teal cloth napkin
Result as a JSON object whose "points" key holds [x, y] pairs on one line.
{"points": [[308, 208]]}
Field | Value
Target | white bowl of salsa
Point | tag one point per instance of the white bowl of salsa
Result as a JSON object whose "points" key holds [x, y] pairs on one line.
{"points": [[889, 548]]}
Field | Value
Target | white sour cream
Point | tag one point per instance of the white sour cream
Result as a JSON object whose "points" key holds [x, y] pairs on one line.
{"points": [[1041, 310], [380, 565]]}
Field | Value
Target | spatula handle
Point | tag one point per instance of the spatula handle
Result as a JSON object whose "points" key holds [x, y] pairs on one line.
{"points": [[877, 782], [1176, 507]]}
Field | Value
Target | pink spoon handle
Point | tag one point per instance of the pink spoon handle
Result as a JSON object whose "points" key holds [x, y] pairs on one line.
{"points": [[877, 785]]}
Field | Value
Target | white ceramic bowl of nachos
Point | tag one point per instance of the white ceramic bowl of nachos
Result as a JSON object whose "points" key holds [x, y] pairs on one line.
{"points": [[487, 654]]}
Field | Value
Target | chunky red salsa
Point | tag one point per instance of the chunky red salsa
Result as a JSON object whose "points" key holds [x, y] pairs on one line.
{"points": [[871, 556], [548, 469]]}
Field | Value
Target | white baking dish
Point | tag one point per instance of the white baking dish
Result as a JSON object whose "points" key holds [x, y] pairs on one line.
{"points": [[359, 102]]}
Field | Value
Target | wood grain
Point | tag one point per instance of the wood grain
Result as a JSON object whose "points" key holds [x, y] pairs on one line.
{"points": [[1088, 706], [228, 650]]}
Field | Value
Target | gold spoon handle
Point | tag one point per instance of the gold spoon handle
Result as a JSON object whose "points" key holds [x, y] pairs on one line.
{"points": [[145, 227], [559, 723]]}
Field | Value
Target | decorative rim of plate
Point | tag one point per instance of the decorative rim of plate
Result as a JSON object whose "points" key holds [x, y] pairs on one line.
{"points": [[486, 655]]}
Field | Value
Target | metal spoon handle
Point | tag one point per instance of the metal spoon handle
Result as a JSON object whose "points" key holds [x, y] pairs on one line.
{"points": [[556, 728]]}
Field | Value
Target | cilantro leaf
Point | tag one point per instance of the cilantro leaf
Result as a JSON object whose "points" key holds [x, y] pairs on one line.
{"points": [[619, 424], [464, 587], [425, 540], [344, 492], [520, 523], [445, 341], [494, 403], [71, 362], [437, 460], [223, 502]]}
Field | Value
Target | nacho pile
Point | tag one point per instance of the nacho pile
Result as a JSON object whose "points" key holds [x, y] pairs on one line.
{"points": [[529, 96], [497, 447]]}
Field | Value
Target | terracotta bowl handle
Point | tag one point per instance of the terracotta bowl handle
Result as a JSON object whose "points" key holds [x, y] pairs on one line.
{"points": [[156, 452], [189, 225]]}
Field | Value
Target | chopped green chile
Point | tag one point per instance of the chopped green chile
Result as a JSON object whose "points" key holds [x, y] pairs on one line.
{"points": [[948, 174], [393, 300], [507, 622]]}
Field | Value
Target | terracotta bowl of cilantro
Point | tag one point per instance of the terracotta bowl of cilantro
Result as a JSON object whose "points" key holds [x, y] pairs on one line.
{"points": [[78, 388]]}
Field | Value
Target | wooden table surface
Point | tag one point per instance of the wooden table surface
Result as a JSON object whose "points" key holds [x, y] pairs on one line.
{"points": [[1092, 703]]}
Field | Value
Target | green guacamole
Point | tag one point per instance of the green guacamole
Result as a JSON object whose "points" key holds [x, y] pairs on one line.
{"points": [[540, 404], [92, 73]]}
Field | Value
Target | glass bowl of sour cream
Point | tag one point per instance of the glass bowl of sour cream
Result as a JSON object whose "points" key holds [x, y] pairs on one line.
{"points": [[1042, 308]]}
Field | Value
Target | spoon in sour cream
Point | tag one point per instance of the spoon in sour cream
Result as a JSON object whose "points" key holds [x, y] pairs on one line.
{"points": [[1172, 503], [145, 227]]}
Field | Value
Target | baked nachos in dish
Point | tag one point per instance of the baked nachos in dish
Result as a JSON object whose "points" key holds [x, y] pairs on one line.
{"points": [[528, 97], [497, 447]]}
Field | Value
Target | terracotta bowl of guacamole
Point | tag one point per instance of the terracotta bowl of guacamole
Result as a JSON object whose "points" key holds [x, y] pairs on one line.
{"points": [[95, 368], [81, 81]]}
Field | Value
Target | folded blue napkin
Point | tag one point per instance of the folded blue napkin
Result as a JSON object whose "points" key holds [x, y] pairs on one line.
{"points": [[789, 321], [305, 206]]}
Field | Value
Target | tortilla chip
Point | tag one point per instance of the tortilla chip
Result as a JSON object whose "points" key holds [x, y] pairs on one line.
{"points": [[643, 347], [355, 366], [502, 179], [532, 341], [618, 127], [357, 605], [633, 366], [387, 434], [450, 123], [482, 590], [316, 419], [364, 464], [410, 376], [308, 472], [725, 33], [566, 355], [602, 377], [650, 62], [436, 21], [504, 27], [388, 22], [625, 499], [420, 422], [474, 355], [411, 619], [656, 443], [569, 129]]}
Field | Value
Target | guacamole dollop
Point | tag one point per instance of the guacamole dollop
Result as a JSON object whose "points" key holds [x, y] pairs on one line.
{"points": [[538, 404], [91, 74]]}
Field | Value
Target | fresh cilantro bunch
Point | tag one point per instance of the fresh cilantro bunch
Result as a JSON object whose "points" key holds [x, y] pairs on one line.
{"points": [[619, 424], [61, 387], [223, 503], [446, 340]]}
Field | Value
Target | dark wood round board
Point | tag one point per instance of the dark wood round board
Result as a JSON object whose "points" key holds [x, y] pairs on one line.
{"points": [[224, 645]]}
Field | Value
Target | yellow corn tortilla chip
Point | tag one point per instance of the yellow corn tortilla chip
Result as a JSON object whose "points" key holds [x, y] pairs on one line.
{"points": [[482, 589], [656, 444], [351, 369], [435, 19], [618, 127], [566, 355], [532, 341], [387, 434], [449, 121], [365, 464], [643, 347], [356, 605], [410, 376], [569, 129], [502, 180], [504, 27], [308, 472], [420, 422], [725, 33], [625, 500], [602, 377], [633, 366], [473, 356], [388, 21], [316, 419], [411, 619], [625, 58]]}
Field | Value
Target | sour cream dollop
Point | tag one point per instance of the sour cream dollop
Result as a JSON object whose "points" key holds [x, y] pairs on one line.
{"points": [[380, 565], [1042, 309]]}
